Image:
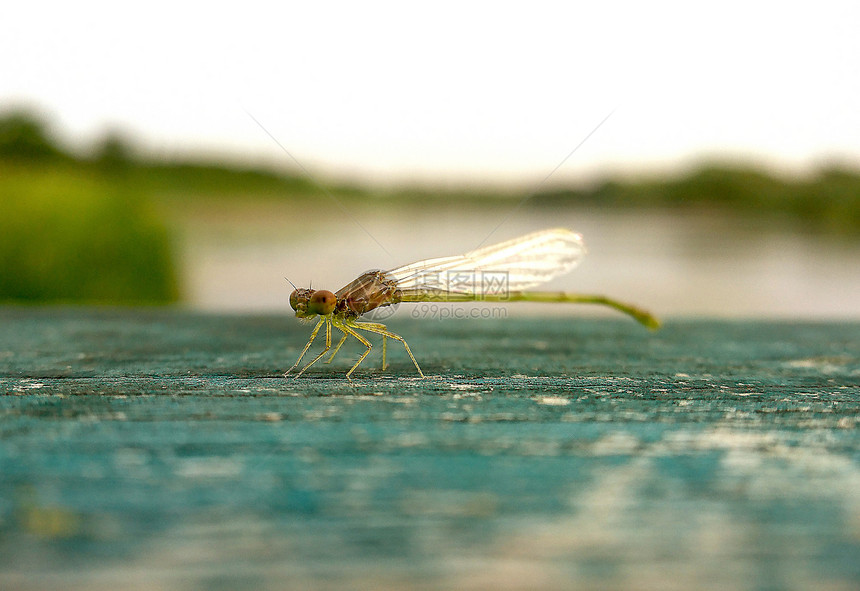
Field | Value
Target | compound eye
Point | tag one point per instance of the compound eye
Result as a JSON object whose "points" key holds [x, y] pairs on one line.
{"points": [[294, 299], [322, 302]]}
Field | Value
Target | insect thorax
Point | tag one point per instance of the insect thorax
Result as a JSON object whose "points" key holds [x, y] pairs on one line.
{"points": [[371, 290]]}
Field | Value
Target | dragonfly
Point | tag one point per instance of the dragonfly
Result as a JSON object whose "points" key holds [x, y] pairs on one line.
{"points": [[498, 273]]}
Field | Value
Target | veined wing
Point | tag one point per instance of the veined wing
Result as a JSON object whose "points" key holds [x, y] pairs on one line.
{"points": [[512, 265]]}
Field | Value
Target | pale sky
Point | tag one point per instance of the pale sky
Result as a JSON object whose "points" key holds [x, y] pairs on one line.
{"points": [[449, 92]]}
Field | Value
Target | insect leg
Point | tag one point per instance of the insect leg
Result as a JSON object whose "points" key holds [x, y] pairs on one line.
{"points": [[308, 346], [346, 328], [337, 347], [327, 320], [381, 329]]}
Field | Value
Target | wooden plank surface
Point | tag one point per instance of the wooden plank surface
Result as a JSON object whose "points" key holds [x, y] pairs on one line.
{"points": [[161, 449]]}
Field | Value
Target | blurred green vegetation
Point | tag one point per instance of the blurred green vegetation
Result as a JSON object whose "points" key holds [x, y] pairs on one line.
{"points": [[74, 230], [92, 227], [827, 202], [69, 235]]}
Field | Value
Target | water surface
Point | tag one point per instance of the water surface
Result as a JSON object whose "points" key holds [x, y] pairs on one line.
{"points": [[235, 257]]}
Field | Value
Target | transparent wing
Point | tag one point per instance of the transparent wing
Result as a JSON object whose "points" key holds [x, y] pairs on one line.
{"points": [[512, 265]]}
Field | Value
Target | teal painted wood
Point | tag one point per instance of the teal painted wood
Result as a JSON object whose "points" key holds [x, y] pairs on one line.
{"points": [[163, 448]]}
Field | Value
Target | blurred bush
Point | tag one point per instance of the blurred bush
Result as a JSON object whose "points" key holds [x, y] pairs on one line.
{"points": [[69, 232], [827, 202], [24, 139]]}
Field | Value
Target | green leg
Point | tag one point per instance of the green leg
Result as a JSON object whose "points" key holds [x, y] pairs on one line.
{"points": [[337, 348], [381, 329], [325, 350], [308, 346], [384, 347], [364, 342]]}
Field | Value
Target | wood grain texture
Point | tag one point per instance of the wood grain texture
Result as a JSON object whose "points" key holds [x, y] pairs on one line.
{"points": [[153, 448]]}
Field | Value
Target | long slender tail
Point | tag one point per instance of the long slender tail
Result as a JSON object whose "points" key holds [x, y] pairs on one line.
{"points": [[642, 316]]}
